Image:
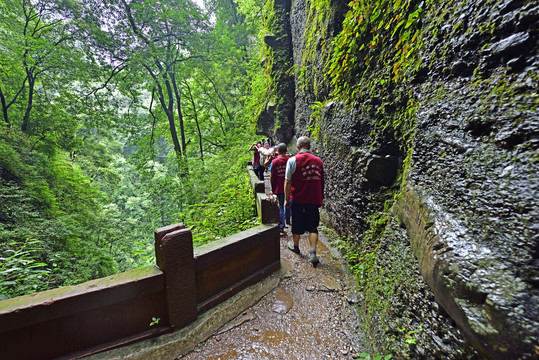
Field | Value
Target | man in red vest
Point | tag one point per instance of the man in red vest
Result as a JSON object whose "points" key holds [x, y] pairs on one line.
{"points": [[277, 171], [304, 192]]}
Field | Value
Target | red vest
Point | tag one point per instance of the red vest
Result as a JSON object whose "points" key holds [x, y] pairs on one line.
{"points": [[256, 157], [308, 180], [278, 169]]}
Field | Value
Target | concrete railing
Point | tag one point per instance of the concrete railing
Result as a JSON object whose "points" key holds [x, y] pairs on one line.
{"points": [[76, 321]]}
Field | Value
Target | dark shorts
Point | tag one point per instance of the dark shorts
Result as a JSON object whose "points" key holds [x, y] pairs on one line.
{"points": [[305, 217]]}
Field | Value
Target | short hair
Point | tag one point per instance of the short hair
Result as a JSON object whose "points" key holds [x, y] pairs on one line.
{"points": [[304, 142], [281, 148]]}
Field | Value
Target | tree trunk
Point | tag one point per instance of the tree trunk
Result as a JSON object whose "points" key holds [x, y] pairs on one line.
{"points": [[179, 106], [4, 108], [174, 133], [153, 123], [196, 121], [166, 107], [170, 115], [171, 123], [26, 118]]}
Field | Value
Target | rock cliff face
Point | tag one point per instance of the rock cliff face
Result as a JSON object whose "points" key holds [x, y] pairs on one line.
{"points": [[428, 129]]}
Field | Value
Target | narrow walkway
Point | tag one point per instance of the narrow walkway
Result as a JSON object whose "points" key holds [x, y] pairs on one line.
{"points": [[308, 316]]}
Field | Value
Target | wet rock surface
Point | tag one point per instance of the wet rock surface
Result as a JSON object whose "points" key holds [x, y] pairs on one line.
{"points": [[307, 316], [277, 120], [418, 328], [471, 179], [480, 186]]}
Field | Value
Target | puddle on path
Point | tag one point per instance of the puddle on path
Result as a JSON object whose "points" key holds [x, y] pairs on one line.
{"points": [[283, 301], [261, 345]]}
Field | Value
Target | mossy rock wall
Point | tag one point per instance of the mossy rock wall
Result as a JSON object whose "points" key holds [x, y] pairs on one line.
{"points": [[425, 114], [277, 120]]}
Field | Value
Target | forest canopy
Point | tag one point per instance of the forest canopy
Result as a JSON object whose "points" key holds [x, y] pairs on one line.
{"points": [[119, 117]]}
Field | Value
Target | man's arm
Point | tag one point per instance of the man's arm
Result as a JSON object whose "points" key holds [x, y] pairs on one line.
{"points": [[323, 182], [271, 178], [287, 187], [290, 170]]}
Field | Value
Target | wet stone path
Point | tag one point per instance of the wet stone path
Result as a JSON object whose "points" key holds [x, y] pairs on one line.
{"points": [[307, 316]]}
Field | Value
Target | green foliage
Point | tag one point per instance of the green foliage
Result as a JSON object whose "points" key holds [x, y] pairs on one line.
{"points": [[381, 281], [315, 47], [378, 278], [20, 269], [50, 201], [375, 56], [361, 258], [229, 206], [409, 338], [39, 57], [259, 89], [90, 167], [367, 356], [368, 29], [316, 120]]}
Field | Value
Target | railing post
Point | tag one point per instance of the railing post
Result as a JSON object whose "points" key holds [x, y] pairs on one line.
{"points": [[268, 208], [266, 205], [174, 256], [256, 184]]}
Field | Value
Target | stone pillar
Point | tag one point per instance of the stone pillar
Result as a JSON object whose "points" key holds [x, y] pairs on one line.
{"points": [[174, 256], [268, 208]]}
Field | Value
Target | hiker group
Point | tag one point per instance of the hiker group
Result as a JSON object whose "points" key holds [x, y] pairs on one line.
{"points": [[298, 183]]}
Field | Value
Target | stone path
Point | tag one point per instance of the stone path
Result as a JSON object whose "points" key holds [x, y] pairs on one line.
{"points": [[308, 316]]}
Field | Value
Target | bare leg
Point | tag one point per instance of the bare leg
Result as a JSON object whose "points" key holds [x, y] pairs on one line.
{"points": [[294, 245], [313, 240], [295, 238]]}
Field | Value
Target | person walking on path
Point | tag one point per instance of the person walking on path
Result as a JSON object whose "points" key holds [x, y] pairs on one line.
{"points": [[304, 193], [277, 172], [257, 166]]}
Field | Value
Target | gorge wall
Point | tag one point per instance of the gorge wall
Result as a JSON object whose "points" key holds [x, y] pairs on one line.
{"points": [[425, 115]]}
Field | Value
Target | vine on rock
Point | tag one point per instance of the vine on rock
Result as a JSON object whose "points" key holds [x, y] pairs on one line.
{"points": [[369, 30]]}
